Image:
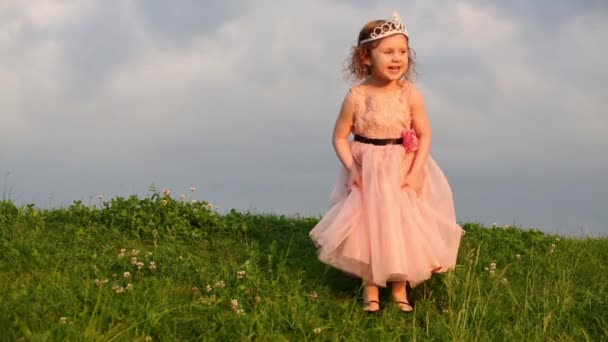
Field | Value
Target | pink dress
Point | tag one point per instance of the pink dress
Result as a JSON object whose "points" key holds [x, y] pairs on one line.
{"points": [[382, 232]]}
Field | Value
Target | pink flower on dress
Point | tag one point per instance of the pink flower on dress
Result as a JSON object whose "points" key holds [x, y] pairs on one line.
{"points": [[410, 140]]}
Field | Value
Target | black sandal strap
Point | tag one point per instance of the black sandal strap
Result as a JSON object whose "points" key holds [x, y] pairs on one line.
{"points": [[367, 307], [405, 303]]}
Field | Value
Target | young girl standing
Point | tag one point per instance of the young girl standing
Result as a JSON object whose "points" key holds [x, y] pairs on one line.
{"points": [[392, 217]]}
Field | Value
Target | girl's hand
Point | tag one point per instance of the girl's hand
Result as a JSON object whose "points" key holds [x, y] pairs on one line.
{"points": [[414, 180], [354, 178]]}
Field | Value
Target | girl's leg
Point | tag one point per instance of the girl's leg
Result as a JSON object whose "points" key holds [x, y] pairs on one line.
{"points": [[371, 297], [400, 295]]}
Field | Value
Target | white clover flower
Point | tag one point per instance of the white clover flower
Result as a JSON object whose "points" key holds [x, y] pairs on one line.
{"points": [[209, 288], [167, 192], [148, 254], [182, 197], [517, 256], [100, 282], [165, 202], [63, 320], [127, 274], [504, 281], [240, 274], [134, 252], [317, 331], [152, 265], [121, 255], [133, 260], [129, 287], [140, 265], [148, 339], [493, 266], [208, 300]]}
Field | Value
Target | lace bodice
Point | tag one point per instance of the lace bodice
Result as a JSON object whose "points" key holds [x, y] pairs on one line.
{"points": [[381, 116]]}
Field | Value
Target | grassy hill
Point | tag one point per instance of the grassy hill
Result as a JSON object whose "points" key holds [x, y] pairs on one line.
{"points": [[160, 269]]}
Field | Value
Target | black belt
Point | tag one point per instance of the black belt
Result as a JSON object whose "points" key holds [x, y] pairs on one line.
{"points": [[394, 141]]}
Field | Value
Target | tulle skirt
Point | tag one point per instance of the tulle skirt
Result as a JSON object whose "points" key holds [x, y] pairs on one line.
{"points": [[384, 232]]}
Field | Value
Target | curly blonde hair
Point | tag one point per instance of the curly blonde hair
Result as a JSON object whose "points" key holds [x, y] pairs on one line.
{"points": [[356, 70]]}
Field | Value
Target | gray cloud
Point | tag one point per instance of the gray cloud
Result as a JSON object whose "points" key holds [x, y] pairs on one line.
{"points": [[188, 19], [240, 100], [102, 41]]}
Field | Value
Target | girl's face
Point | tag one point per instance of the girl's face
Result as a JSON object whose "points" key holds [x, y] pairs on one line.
{"points": [[389, 60]]}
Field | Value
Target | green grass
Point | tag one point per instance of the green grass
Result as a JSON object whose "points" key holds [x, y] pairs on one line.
{"points": [[53, 264]]}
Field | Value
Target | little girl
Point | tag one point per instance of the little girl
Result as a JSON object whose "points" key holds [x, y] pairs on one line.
{"points": [[392, 217]]}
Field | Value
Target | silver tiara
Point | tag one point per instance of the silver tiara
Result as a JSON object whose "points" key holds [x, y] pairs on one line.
{"points": [[389, 28]]}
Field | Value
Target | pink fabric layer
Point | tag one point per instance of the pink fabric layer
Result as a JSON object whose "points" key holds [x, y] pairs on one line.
{"points": [[382, 232]]}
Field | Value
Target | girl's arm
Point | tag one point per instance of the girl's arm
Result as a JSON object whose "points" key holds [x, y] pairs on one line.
{"points": [[342, 131], [422, 126]]}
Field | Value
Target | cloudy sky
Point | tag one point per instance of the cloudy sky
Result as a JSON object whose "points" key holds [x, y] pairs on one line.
{"points": [[238, 99]]}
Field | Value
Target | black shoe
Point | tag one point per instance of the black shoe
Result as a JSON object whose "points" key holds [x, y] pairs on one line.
{"points": [[367, 309], [404, 306]]}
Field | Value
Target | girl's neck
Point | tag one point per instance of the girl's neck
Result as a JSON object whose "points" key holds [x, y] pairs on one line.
{"points": [[384, 85]]}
